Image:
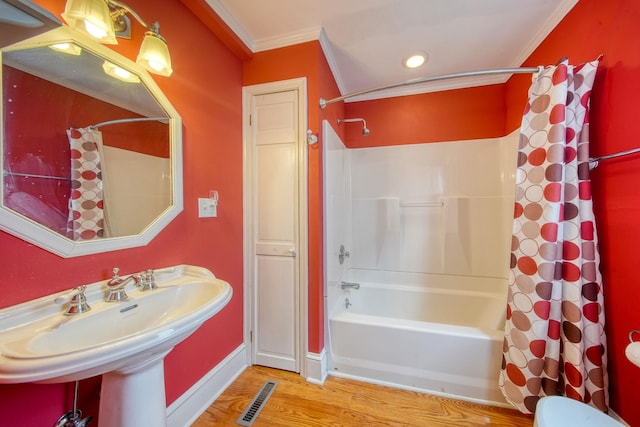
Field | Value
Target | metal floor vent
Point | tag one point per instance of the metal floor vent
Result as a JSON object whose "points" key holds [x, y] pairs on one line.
{"points": [[251, 413]]}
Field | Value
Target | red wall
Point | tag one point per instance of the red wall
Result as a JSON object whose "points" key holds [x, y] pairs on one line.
{"points": [[58, 108], [452, 115], [205, 89]]}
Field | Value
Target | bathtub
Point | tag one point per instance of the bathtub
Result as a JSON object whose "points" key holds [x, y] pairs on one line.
{"points": [[432, 333]]}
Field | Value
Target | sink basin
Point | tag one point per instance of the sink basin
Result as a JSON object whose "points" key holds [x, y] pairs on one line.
{"points": [[124, 341], [40, 344]]}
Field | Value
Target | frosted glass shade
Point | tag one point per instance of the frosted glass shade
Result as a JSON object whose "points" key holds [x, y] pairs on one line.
{"points": [[154, 54], [91, 17]]}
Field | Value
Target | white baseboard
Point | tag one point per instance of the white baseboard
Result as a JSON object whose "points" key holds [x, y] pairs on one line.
{"points": [[317, 367], [188, 407]]}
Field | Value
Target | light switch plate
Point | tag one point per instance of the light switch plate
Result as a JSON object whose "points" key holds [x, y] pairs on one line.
{"points": [[207, 208]]}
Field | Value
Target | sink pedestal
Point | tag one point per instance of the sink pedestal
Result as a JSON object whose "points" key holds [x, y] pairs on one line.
{"points": [[135, 397]]}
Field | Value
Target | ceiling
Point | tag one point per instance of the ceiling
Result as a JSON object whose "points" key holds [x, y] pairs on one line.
{"points": [[365, 41]]}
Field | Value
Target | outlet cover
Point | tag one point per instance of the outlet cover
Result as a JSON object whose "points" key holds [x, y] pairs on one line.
{"points": [[207, 208]]}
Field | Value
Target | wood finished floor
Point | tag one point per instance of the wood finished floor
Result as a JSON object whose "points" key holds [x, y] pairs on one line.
{"points": [[343, 402]]}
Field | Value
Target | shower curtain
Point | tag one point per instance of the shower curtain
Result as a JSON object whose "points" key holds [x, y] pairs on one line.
{"points": [[554, 336], [86, 201]]}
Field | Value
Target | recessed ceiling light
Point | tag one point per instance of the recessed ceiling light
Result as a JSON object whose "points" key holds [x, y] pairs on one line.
{"points": [[415, 60]]}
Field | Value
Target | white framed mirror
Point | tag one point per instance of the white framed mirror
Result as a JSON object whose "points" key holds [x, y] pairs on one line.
{"points": [[90, 162]]}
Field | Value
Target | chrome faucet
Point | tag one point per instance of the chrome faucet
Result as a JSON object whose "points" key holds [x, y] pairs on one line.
{"points": [[349, 285], [343, 254], [78, 303], [147, 281], [116, 286]]}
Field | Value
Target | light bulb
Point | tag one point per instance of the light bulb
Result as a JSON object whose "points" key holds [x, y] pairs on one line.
{"points": [[415, 60], [94, 30]]}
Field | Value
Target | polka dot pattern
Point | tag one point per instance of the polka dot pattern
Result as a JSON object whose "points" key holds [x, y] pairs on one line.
{"points": [[554, 336], [86, 215]]}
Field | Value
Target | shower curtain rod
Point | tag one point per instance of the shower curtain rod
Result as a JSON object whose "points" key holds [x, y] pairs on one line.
{"points": [[593, 161], [521, 70], [137, 119]]}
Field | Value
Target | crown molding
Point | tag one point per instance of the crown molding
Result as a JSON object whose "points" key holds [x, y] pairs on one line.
{"points": [[306, 35], [231, 21], [561, 11], [327, 49]]}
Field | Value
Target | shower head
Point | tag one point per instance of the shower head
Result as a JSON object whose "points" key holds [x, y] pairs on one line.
{"points": [[365, 130]]}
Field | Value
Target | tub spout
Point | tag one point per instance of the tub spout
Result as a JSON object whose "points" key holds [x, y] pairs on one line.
{"points": [[349, 285]]}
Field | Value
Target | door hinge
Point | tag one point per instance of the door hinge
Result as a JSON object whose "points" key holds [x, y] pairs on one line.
{"points": [[250, 120], [250, 336]]}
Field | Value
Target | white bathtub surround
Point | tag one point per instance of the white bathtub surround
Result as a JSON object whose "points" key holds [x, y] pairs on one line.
{"points": [[440, 208], [388, 226], [132, 211], [337, 212], [428, 229]]}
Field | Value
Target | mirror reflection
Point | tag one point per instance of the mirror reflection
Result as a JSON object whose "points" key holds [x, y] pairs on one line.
{"points": [[87, 150]]}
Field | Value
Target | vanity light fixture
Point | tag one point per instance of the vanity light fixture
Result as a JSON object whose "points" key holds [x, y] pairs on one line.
{"points": [[91, 17], [154, 53], [119, 73], [99, 18]]}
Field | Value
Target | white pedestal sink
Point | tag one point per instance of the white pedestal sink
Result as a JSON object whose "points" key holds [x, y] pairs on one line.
{"points": [[126, 342]]}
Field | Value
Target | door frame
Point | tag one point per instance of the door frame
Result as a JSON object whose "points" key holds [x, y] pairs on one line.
{"points": [[248, 92]]}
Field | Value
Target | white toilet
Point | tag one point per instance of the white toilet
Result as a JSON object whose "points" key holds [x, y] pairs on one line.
{"points": [[560, 411]]}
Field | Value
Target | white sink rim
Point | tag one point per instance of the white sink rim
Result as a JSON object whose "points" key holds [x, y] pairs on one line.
{"points": [[118, 355]]}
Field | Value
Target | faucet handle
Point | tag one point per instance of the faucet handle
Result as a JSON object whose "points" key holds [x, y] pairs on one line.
{"points": [[149, 281], [79, 297], [78, 302], [116, 279], [343, 254]]}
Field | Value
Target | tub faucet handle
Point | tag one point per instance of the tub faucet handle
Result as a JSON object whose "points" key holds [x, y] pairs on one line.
{"points": [[343, 254]]}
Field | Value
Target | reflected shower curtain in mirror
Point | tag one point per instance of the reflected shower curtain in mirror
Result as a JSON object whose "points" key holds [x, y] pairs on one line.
{"points": [[554, 336], [86, 202]]}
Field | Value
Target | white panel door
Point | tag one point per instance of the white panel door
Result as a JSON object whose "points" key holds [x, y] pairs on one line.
{"points": [[274, 126]]}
